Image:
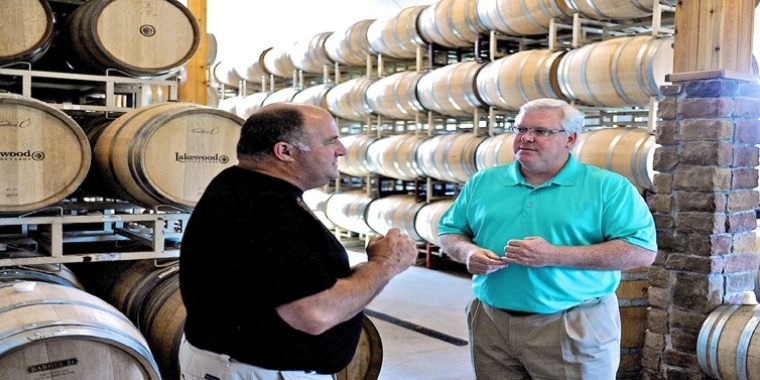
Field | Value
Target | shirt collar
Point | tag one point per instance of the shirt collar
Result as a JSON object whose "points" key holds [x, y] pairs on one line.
{"points": [[567, 176]]}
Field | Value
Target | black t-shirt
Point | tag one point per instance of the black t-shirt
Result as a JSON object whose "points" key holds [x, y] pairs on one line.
{"points": [[248, 248]]}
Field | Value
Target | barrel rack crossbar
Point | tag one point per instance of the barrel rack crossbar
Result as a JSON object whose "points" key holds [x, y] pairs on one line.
{"points": [[40, 239]]}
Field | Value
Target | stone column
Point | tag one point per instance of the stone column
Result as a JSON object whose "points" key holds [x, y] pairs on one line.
{"points": [[704, 209]]}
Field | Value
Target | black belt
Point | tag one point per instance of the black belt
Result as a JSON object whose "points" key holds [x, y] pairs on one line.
{"points": [[517, 313]]}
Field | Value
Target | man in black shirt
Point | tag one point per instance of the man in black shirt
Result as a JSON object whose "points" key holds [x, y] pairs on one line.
{"points": [[268, 289]]}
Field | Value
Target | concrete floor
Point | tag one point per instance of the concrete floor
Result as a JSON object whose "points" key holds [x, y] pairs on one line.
{"points": [[421, 321]]}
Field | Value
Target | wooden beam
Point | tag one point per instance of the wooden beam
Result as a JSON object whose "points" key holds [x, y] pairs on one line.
{"points": [[193, 87], [713, 39]]}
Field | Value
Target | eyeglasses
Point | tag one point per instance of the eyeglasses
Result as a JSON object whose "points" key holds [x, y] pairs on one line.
{"points": [[537, 132]]}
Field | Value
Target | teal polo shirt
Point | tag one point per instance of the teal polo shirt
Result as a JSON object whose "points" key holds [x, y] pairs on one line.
{"points": [[582, 205]]}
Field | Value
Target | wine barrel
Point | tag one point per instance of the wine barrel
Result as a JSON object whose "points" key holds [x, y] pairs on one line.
{"points": [[728, 344], [351, 46], [314, 95], [348, 100], [54, 331], [395, 96], [211, 49], [166, 154], [226, 74], [250, 104], [494, 151], [426, 223], [451, 90], [310, 55], [356, 160], [451, 23], [509, 82], [284, 95], [44, 154], [368, 358], [394, 211], [395, 157], [47, 273], [518, 18], [449, 157], [26, 27], [316, 199], [231, 104], [626, 151], [250, 69], [135, 283], [611, 9], [397, 36], [347, 210], [162, 322], [619, 72], [141, 38], [276, 61], [632, 294]]}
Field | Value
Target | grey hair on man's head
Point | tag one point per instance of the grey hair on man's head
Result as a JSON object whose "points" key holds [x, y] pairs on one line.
{"points": [[572, 120], [279, 122]]}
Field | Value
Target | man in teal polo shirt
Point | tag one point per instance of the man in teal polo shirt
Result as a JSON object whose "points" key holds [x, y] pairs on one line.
{"points": [[546, 238]]}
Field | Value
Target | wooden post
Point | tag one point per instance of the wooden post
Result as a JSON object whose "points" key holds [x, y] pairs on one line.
{"points": [[193, 87], [713, 39]]}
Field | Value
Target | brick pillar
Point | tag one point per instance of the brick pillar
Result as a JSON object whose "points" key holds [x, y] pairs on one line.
{"points": [[704, 209]]}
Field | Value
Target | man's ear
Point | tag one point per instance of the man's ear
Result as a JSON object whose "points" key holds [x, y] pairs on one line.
{"points": [[571, 139], [283, 151]]}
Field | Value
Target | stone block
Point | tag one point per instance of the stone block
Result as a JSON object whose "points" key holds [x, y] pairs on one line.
{"points": [[749, 89], [681, 359], [654, 341], [743, 242], [701, 178], [707, 153], [713, 88], [700, 222], [697, 108], [671, 90], [746, 155], [687, 320], [658, 277], [740, 262], [657, 321], [744, 178], [741, 222], [666, 108], [698, 292], [660, 203], [650, 360], [746, 107], [658, 297], [709, 245], [665, 222], [683, 374], [662, 183], [684, 341], [671, 242], [665, 158], [740, 282], [667, 133], [742, 200], [695, 264], [706, 129], [747, 131], [705, 202], [660, 259]]}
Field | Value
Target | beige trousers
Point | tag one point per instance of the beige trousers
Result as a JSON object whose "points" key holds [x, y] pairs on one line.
{"points": [[582, 342]]}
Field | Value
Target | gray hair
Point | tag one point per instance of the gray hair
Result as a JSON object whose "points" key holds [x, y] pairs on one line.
{"points": [[572, 120], [270, 125]]}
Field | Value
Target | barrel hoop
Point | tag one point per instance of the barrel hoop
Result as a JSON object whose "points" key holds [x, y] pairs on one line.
{"points": [[504, 25], [452, 27], [162, 293], [638, 166], [471, 24], [611, 149], [564, 70], [583, 74], [743, 346], [397, 38], [650, 82], [640, 5], [520, 68], [446, 150], [530, 17], [707, 347], [495, 79], [615, 76], [596, 9], [544, 73], [580, 142], [498, 148]]}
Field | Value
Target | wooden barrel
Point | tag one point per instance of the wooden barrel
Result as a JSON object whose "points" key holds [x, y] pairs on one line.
{"points": [[368, 359], [135, 283], [619, 72], [225, 73], [626, 151], [166, 154], [451, 90], [250, 69], [316, 199], [314, 95], [632, 294], [351, 46], [397, 36], [284, 95], [611, 9], [356, 160], [26, 27], [395, 157], [449, 157], [395, 96], [728, 345], [277, 62], [230, 104], [141, 38], [394, 211], [162, 322], [211, 49], [250, 104], [310, 55], [348, 100], [494, 151], [53, 331], [48, 273], [347, 210], [44, 154], [508, 83], [517, 18], [426, 223], [451, 23]]}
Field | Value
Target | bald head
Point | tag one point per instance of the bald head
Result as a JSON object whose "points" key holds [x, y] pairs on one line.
{"points": [[278, 122]]}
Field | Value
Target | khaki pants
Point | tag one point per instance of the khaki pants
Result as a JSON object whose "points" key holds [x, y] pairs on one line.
{"points": [[582, 342], [197, 364]]}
